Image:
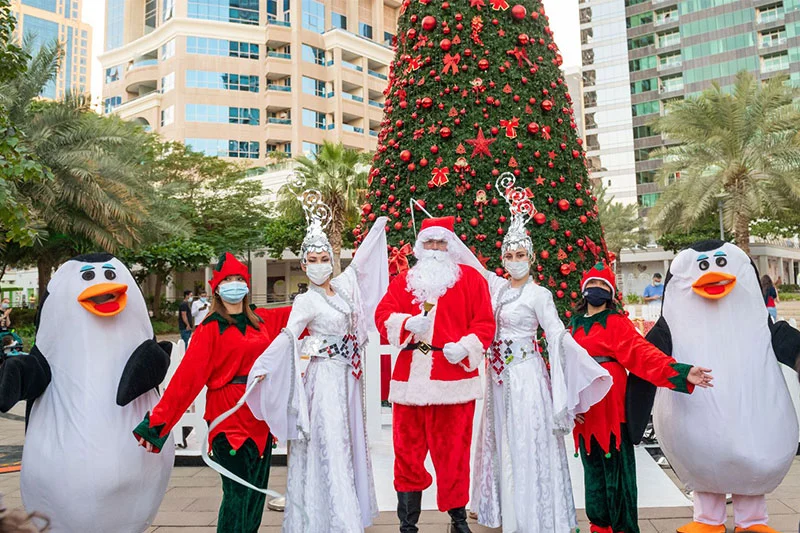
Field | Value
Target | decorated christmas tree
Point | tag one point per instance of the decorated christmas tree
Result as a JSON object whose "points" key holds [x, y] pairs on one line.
{"points": [[476, 91]]}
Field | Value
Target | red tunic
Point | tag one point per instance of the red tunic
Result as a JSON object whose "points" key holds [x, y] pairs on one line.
{"points": [[613, 335], [213, 359]]}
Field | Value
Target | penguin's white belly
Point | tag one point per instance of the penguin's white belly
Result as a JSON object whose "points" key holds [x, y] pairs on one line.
{"points": [[739, 437], [82, 467]]}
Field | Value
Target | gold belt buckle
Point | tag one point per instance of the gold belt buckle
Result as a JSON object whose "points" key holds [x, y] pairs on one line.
{"points": [[424, 347]]}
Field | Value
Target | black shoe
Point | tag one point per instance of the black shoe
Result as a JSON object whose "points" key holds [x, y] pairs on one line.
{"points": [[409, 506], [458, 519]]}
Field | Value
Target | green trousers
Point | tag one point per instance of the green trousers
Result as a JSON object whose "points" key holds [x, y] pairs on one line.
{"points": [[241, 508], [611, 497]]}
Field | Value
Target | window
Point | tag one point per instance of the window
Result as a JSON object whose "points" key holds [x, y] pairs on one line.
{"points": [[167, 116], [222, 114], [587, 35], [314, 16], [773, 38], [643, 63], [109, 104], [113, 74], [669, 61], [642, 154], [770, 13], [314, 119], [150, 8], [639, 20], [115, 10], [236, 11], [221, 47], [168, 82], [669, 39], [667, 16], [775, 62], [589, 78], [167, 10], [47, 5], [672, 83], [311, 150], [338, 21], [647, 176], [202, 79], [643, 86], [646, 108], [388, 38], [640, 132], [313, 87], [648, 200], [735, 42], [641, 42], [167, 50], [225, 148], [365, 30], [313, 55]]}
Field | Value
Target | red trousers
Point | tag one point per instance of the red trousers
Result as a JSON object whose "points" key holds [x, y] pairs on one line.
{"points": [[445, 431]]}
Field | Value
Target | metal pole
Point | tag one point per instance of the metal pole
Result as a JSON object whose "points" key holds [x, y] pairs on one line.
{"points": [[721, 226]]}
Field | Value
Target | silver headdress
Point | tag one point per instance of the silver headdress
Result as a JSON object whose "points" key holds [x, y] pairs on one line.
{"points": [[318, 216], [522, 210]]}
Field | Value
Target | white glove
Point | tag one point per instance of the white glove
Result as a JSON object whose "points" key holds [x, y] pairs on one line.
{"points": [[454, 352], [418, 324]]}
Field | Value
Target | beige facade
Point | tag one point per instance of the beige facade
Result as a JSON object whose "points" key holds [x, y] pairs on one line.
{"points": [[245, 78], [44, 22]]}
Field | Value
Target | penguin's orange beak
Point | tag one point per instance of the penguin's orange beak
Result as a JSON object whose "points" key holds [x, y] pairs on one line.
{"points": [[104, 299], [714, 285]]}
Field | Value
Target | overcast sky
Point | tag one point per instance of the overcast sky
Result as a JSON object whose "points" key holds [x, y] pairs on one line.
{"points": [[563, 21]]}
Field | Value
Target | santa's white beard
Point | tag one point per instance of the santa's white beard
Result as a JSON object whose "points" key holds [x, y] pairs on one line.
{"points": [[434, 273]]}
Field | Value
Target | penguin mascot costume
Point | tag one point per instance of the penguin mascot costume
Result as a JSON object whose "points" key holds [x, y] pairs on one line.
{"points": [[91, 376], [739, 438]]}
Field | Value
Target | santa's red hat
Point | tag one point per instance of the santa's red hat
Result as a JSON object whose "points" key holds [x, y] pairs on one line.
{"points": [[447, 223], [228, 265], [602, 272]]}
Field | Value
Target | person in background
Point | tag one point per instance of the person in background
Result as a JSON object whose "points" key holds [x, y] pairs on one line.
{"points": [[770, 294], [185, 323], [654, 292], [5, 315], [200, 308]]}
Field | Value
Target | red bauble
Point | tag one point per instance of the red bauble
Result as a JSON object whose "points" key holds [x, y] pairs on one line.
{"points": [[544, 254], [483, 64], [565, 269], [366, 209], [398, 225], [552, 242], [573, 295], [412, 167], [568, 234], [519, 12], [405, 156], [540, 218], [445, 44], [499, 271], [429, 23], [579, 202], [583, 219], [459, 206], [434, 149], [423, 162], [445, 132], [563, 284], [500, 231], [563, 204], [372, 217], [498, 244], [427, 102], [533, 128], [547, 105], [568, 314], [560, 293], [411, 34], [440, 207], [580, 242], [523, 39], [473, 222]]}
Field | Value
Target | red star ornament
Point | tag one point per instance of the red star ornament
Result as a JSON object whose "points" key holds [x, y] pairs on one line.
{"points": [[540, 181], [480, 145], [483, 259], [551, 154]]}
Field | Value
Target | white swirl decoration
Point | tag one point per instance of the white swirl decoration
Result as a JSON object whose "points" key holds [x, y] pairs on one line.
{"points": [[519, 204]]}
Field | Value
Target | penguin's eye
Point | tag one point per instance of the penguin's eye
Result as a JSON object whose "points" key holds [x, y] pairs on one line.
{"points": [[110, 274], [721, 261], [704, 265], [88, 275]]}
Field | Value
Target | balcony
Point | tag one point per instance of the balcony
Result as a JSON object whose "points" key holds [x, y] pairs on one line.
{"points": [[376, 104], [352, 129], [279, 55], [667, 42], [774, 66], [276, 22], [670, 88], [377, 75], [141, 63], [373, 133], [276, 120], [352, 66], [352, 97], [669, 19], [772, 43], [769, 16], [279, 88], [669, 65]]}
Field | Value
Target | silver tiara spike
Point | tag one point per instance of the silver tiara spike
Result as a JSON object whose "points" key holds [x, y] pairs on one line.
{"points": [[521, 209]]}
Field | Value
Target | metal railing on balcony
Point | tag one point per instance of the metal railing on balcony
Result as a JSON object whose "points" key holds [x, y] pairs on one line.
{"points": [[352, 129], [276, 22], [374, 133], [667, 42], [354, 98], [769, 16], [377, 75], [769, 43], [670, 64], [773, 66], [281, 88], [352, 66], [671, 88], [376, 104], [139, 63], [660, 21], [282, 121], [280, 55]]}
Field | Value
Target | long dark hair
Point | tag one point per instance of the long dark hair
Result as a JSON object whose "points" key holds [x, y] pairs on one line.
{"points": [[766, 285]]}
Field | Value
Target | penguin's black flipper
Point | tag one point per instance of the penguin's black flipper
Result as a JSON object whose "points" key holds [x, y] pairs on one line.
{"points": [[640, 393], [144, 371], [23, 377], [785, 343]]}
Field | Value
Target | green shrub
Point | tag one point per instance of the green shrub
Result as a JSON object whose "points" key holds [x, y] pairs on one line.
{"points": [[789, 287], [633, 299], [162, 328], [21, 317]]}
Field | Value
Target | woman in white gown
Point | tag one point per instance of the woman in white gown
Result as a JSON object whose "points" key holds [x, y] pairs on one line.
{"points": [[521, 477], [330, 486]]}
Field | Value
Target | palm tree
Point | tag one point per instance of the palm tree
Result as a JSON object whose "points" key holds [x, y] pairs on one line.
{"points": [[620, 221], [741, 147], [340, 175], [97, 193]]}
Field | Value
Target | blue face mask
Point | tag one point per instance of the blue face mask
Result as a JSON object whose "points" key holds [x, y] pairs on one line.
{"points": [[233, 292], [596, 296]]}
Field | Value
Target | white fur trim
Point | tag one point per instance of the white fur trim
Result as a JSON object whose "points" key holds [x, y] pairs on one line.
{"points": [[435, 392], [475, 351], [394, 329]]}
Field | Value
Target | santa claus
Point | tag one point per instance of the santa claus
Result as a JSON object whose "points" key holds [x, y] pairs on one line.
{"points": [[439, 313]]}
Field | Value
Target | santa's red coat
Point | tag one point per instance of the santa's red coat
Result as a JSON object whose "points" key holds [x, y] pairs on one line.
{"points": [[463, 314]]}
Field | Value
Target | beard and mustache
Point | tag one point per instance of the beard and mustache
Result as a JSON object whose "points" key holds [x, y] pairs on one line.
{"points": [[434, 273]]}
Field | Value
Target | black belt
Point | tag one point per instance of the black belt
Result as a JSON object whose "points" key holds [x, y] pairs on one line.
{"points": [[238, 380], [604, 359], [423, 347]]}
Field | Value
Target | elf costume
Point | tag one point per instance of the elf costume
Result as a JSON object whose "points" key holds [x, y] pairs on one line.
{"points": [[603, 439], [220, 357]]}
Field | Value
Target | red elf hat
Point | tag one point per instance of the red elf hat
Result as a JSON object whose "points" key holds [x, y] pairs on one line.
{"points": [[602, 272], [228, 265]]}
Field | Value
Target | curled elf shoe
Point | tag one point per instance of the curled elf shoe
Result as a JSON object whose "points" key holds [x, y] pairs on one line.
{"points": [[600, 529], [759, 528], [697, 527]]}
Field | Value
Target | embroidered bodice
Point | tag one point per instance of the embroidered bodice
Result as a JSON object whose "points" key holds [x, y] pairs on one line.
{"points": [[519, 312], [323, 315]]}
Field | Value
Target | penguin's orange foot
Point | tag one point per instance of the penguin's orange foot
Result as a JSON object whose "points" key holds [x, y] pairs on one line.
{"points": [[697, 527], [759, 528]]}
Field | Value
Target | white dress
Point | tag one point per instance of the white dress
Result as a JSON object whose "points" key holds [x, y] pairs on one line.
{"points": [[330, 485], [522, 480]]}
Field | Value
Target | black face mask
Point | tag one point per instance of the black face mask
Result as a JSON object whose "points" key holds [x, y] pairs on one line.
{"points": [[597, 296]]}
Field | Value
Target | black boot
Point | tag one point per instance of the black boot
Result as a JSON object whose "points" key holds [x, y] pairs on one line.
{"points": [[409, 505], [458, 522]]}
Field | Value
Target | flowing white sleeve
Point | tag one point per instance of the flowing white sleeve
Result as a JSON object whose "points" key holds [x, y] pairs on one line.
{"points": [[369, 271], [578, 381]]}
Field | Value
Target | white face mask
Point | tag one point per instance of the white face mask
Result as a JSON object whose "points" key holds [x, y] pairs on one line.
{"points": [[517, 269], [319, 273]]}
